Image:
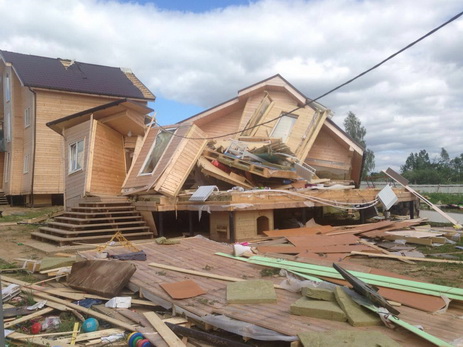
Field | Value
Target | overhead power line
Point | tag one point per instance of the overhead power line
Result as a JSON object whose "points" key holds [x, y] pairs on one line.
{"points": [[308, 102]]}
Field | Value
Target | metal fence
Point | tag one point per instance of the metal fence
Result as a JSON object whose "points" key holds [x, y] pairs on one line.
{"points": [[422, 188]]}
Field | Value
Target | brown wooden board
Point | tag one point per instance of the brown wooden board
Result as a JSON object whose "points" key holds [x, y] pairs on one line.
{"points": [[320, 229], [102, 277], [316, 248], [360, 229], [311, 241], [182, 289]]}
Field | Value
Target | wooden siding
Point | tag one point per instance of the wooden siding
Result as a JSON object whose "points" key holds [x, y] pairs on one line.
{"points": [[15, 146], [252, 104], [224, 125], [49, 161], [246, 224], [108, 161], [180, 166], [75, 182], [330, 155]]}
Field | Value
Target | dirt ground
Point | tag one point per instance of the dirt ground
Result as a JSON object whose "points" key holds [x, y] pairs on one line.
{"points": [[14, 236], [16, 244]]}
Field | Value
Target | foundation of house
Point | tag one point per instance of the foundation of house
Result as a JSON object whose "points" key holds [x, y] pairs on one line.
{"points": [[239, 216]]}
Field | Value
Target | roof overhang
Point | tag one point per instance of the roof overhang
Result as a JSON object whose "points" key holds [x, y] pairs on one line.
{"points": [[111, 114]]}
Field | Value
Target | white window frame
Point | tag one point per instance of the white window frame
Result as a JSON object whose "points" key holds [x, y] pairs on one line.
{"points": [[7, 125], [74, 165], [27, 117], [7, 88], [26, 164], [148, 157], [6, 169], [279, 131]]}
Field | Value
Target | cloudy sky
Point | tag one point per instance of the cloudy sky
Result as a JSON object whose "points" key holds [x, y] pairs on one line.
{"points": [[196, 54]]}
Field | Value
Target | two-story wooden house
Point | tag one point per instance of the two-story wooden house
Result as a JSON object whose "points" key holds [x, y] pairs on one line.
{"points": [[35, 90]]}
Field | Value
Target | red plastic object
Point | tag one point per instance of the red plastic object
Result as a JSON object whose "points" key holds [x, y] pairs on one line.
{"points": [[221, 166], [140, 343], [36, 328]]}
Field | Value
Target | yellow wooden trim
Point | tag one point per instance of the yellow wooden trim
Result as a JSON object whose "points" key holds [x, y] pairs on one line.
{"points": [[91, 146]]}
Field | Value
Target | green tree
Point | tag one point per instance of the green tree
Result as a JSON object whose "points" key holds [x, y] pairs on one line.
{"points": [[417, 161], [354, 128], [420, 169]]}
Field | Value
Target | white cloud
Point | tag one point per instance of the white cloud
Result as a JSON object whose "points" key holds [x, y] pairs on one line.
{"points": [[410, 103]]}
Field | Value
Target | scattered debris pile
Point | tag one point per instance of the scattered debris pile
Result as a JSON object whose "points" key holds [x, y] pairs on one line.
{"points": [[283, 287]]}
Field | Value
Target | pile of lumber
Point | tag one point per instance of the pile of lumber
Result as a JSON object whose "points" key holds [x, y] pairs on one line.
{"points": [[256, 163]]}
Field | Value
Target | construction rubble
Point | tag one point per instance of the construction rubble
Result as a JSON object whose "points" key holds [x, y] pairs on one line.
{"points": [[290, 287]]}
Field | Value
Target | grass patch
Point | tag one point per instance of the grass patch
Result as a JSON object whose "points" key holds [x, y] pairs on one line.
{"points": [[5, 265], [17, 217], [446, 274], [443, 198], [269, 272], [67, 322]]}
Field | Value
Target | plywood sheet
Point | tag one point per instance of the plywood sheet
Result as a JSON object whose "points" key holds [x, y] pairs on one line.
{"points": [[102, 277], [183, 289]]}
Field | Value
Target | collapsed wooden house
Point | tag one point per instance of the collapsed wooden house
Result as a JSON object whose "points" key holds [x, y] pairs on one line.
{"points": [[245, 166]]}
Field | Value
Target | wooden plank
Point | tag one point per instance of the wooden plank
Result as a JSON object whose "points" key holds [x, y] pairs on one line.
{"points": [[92, 335], [415, 240], [358, 229], [398, 178], [45, 335], [197, 273], [211, 170], [79, 295], [163, 330], [39, 313], [369, 244], [312, 241], [40, 341], [391, 256]]}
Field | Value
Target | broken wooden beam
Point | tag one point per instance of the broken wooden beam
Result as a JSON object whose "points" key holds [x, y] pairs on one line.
{"points": [[163, 330]]}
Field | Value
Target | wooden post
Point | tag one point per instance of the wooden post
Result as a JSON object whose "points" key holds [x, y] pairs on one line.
{"points": [[304, 215], [411, 206], [362, 216], [161, 223], [231, 226], [190, 223]]}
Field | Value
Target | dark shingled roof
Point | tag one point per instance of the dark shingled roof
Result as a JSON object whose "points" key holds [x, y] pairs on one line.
{"points": [[50, 73]]}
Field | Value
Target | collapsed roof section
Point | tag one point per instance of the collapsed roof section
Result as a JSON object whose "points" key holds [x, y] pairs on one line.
{"points": [[270, 135]]}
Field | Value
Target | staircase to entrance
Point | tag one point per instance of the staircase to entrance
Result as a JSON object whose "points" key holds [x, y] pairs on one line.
{"points": [[94, 220]]}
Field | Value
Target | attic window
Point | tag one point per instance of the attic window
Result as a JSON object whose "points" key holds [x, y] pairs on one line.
{"points": [[67, 62], [284, 126], [159, 146]]}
